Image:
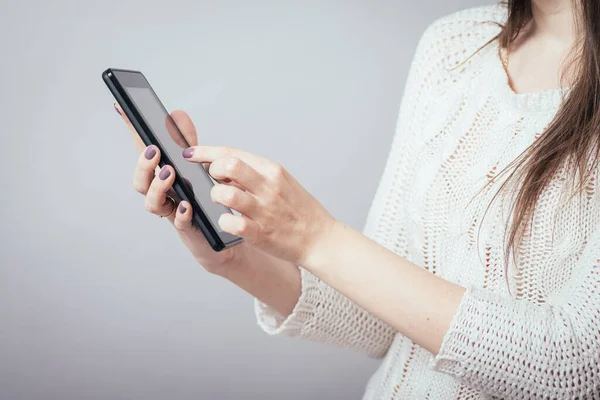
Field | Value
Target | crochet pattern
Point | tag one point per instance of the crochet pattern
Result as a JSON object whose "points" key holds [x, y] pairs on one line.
{"points": [[535, 336]]}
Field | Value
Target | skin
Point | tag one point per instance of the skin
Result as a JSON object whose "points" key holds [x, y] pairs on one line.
{"points": [[284, 226], [268, 278], [550, 35]]}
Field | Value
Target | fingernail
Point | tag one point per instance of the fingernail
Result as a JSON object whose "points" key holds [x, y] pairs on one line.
{"points": [[164, 173], [187, 153], [182, 209], [116, 108], [150, 152]]}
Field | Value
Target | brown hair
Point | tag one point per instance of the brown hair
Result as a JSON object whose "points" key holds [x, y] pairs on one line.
{"points": [[572, 139]]}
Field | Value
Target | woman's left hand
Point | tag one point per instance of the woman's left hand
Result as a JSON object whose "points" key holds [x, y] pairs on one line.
{"points": [[278, 215]]}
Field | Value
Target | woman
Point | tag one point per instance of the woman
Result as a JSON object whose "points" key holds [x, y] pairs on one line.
{"points": [[479, 272]]}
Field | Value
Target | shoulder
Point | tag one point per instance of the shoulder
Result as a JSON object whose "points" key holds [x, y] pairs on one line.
{"points": [[457, 36], [474, 20], [491, 13]]}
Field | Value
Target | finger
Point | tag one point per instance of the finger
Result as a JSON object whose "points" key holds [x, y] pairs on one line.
{"points": [[186, 127], [144, 169], [237, 171], [211, 153], [156, 199], [239, 226], [183, 217], [174, 132], [206, 167], [234, 198], [137, 140]]}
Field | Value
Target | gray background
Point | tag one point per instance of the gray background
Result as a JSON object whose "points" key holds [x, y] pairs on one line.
{"points": [[98, 299]]}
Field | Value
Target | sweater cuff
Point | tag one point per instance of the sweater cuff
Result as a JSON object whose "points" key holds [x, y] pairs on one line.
{"points": [[273, 323], [462, 336]]}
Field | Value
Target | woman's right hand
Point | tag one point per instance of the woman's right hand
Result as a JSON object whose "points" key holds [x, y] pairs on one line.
{"points": [[155, 184]]}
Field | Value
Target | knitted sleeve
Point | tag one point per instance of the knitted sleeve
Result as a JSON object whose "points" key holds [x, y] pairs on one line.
{"points": [[517, 349], [322, 314]]}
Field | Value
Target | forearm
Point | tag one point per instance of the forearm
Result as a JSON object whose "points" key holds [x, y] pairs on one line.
{"points": [[415, 302], [311, 309], [271, 280]]}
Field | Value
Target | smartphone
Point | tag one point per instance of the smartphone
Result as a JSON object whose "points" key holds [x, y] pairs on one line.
{"points": [[155, 126]]}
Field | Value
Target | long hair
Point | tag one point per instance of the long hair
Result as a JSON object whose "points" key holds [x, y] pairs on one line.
{"points": [[572, 138]]}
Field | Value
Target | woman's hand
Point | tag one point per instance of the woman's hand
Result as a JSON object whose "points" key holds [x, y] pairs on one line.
{"points": [[155, 184], [278, 215]]}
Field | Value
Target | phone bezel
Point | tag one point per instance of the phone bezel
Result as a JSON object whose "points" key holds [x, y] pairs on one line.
{"points": [[217, 241]]}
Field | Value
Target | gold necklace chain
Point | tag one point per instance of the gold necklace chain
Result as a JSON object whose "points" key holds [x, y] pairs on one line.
{"points": [[504, 58]]}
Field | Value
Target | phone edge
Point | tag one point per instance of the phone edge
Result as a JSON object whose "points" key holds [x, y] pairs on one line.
{"points": [[213, 238]]}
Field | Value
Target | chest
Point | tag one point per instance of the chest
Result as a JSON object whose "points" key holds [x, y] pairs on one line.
{"points": [[457, 231], [531, 74]]}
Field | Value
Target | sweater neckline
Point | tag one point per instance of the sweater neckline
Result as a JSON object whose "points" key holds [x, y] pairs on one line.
{"points": [[541, 101]]}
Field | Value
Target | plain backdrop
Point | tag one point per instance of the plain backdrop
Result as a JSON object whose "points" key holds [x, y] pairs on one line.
{"points": [[98, 298]]}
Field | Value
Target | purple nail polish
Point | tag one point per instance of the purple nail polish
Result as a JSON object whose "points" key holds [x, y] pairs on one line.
{"points": [[116, 108], [164, 173], [150, 153], [187, 153], [182, 209]]}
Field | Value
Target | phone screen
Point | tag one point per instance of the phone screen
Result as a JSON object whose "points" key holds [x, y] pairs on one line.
{"points": [[173, 142]]}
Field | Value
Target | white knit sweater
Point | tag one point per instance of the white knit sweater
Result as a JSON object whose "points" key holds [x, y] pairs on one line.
{"points": [[459, 125]]}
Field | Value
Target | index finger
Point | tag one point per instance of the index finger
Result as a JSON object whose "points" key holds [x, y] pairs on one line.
{"points": [[186, 126], [208, 154]]}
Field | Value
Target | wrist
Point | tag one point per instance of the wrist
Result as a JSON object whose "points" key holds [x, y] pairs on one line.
{"points": [[322, 246], [224, 262]]}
